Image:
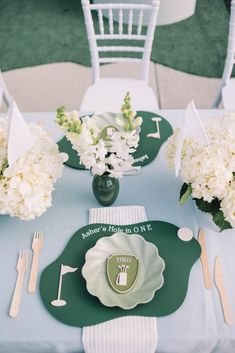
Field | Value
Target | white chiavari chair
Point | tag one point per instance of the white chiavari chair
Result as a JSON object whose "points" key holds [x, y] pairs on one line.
{"points": [[226, 91], [106, 94], [4, 94]]}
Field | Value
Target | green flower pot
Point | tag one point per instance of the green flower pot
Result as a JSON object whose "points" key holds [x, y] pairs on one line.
{"points": [[105, 189]]}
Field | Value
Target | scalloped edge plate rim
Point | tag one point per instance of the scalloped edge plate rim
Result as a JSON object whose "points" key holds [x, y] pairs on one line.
{"points": [[139, 302]]}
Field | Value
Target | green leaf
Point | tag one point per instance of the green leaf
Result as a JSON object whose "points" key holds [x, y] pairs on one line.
{"points": [[210, 207], [183, 189], [185, 192], [4, 166], [213, 208], [220, 221]]}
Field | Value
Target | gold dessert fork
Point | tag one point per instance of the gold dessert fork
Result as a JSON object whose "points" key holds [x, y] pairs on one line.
{"points": [[37, 246], [21, 267]]}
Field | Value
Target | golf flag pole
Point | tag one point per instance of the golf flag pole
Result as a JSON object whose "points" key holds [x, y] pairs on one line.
{"points": [[63, 270]]}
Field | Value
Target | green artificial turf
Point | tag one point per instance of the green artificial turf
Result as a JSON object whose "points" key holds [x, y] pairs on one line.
{"points": [[228, 4], [34, 32]]}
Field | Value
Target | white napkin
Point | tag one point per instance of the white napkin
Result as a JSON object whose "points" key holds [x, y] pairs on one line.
{"points": [[192, 128], [20, 139], [118, 215], [129, 334]]}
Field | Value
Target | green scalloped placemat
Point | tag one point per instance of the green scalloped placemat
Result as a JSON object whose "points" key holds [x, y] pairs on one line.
{"points": [[83, 309], [148, 146]]}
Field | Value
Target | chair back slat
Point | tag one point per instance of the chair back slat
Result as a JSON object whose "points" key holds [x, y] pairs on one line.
{"points": [[120, 22], [230, 57], [111, 21], [118, 60], [140, 22], [120, 48], [124, 6], [120, 37], [130, 21], [120, 31], [101, 22]]}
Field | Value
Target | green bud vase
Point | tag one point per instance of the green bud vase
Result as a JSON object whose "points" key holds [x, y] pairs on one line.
{"points": [[105, 189]]}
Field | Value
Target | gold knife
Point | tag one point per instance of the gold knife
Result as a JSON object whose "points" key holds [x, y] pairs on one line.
{"points": [[204, 260], [219, 282]]}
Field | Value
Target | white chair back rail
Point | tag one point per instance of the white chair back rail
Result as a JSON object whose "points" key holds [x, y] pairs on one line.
{"points": [[6, 95], [119, 31], [230, 57]]}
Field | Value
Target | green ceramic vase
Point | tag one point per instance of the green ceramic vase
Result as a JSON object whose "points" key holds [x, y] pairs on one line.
{"points": [[105, 189]]}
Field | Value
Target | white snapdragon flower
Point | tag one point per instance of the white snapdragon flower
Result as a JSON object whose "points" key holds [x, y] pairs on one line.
{"points": [[117, 166], [170, 148], [138, 121], [131, 138], [119, 145], [88, 160], [100, 150], [85, 137], [113, 161], [99, 168]]}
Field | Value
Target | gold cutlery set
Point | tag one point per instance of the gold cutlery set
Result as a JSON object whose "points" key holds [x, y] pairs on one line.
{"points": [[218, 278], [21, 267]]}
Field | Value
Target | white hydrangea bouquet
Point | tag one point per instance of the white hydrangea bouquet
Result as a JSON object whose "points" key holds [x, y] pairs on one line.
{"points": [[208, 172], [107, 149], [26, 186]]}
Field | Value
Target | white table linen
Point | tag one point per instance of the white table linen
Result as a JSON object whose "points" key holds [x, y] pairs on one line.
{"points": [[197, 326]]}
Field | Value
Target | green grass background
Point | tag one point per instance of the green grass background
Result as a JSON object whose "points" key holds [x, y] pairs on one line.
{"points": [[34, 32]]}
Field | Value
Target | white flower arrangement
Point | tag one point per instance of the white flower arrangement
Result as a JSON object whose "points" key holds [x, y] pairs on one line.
{"points": [[26, 186], [106, 150], [208, 172]]}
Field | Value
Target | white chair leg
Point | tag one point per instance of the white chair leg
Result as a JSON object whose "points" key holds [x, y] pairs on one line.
{"points": [[217, 99]]}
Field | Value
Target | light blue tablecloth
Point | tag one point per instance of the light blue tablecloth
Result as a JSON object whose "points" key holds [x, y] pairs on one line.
{"points": [[197, 326]]}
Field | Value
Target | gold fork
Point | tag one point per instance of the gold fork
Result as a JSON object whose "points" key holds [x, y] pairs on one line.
{"points": [[21, 267], [37, 246]]}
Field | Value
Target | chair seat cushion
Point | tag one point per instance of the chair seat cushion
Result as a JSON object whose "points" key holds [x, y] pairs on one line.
{"points": [[107, 95], [228, 95]]}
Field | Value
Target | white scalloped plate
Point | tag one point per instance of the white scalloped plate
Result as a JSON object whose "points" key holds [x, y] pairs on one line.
{"points": [[150, 274], [109, 119], [105, 119]]}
